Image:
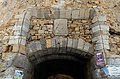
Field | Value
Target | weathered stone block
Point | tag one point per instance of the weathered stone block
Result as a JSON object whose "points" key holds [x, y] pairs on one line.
{"points": [[41, 13], [33, 46], [13, 41], [21, 61], [68, 14], [64, 42], [87, 13], [99, 33], [106, 46], [102, 37], [38, 45], [75, 14], [86, 47], [48, 43], [60, 27], [47, 13], [97, 23], [81, 44], [99, 18], [91, 49], [22, 40], [99, 46], [19, 49], [104, 27], [63, 45], [96, 28], [74, 44], [22, 26], [20, 33], [102, 41], [17, 40], [8, 58], [56, 13], [69, 44], [62, 14], [5, 48], [92, 13], [43, 43], [113, 61], [9, 73], [82, 12], [33, 11]]}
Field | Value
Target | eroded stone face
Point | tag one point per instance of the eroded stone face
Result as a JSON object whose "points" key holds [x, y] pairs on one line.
{"points": [[60, 27]]}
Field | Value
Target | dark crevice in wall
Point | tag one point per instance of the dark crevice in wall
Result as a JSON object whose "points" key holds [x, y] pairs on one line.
{"points": [[76, 70], [113, 32]]}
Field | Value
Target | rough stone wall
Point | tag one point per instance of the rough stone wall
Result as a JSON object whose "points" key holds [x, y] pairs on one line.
{"points": [[76, 29], [108, 7]]}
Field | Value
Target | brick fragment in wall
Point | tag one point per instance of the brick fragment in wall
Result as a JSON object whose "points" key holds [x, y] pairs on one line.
{"points": [[81, 44], [76, 14], [99, 18]]}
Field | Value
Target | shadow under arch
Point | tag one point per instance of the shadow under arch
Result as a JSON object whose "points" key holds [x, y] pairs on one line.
{"points": [[77, 64]]}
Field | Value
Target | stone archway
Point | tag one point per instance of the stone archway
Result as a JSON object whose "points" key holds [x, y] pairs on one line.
{"points": [[24, 56], [61, 62]]}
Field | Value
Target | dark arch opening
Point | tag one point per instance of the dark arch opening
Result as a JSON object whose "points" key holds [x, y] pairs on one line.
{"points": [[75, 69]]}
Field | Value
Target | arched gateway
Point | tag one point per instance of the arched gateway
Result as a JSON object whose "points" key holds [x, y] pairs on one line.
{"points": [[49, 58]]}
